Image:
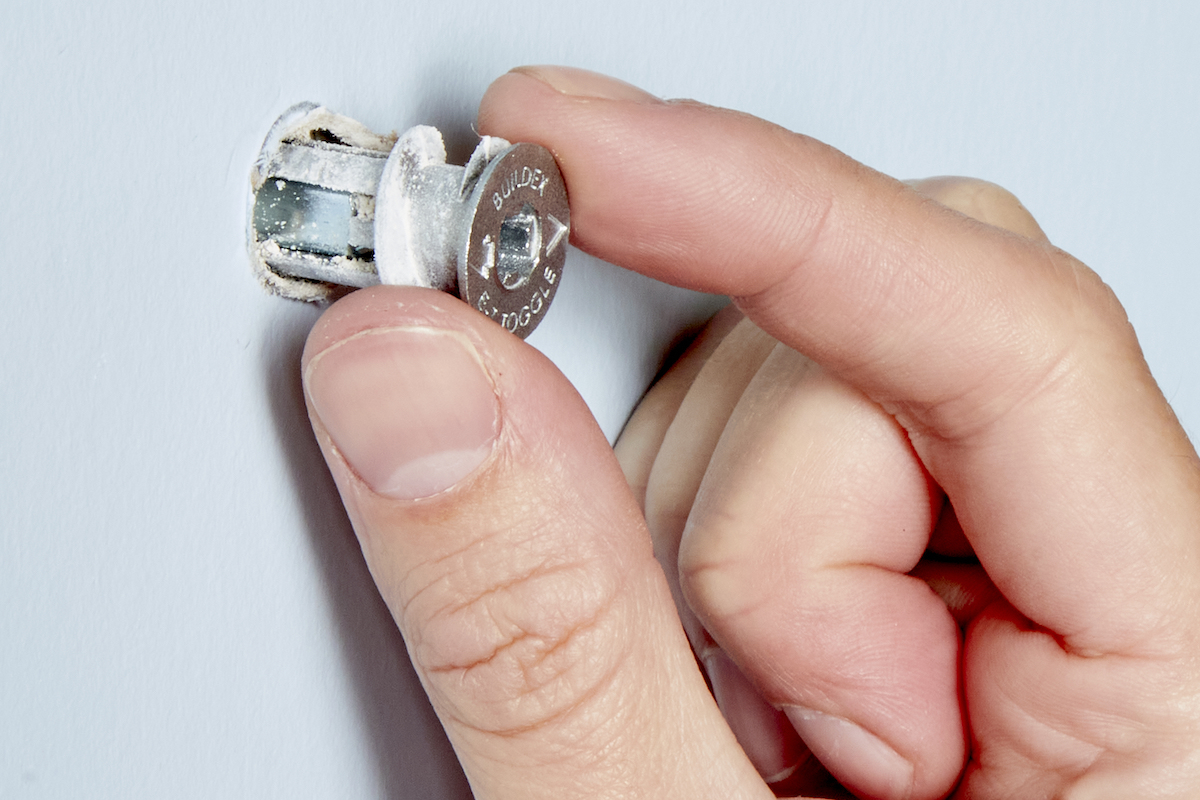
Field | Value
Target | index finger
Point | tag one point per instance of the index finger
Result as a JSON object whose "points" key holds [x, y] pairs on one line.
{"points": [[1011, 365]]}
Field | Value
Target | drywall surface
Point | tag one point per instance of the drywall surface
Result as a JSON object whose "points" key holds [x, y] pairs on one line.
{"points": [[183, 608]]}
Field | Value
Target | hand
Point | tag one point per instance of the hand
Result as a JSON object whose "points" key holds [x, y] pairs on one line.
{"points": [[948, 364]]}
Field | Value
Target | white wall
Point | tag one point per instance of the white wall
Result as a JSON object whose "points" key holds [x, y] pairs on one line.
{"points": [[183, 610]]}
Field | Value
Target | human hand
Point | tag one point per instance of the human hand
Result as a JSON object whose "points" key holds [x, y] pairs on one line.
{"points": [[953, 358]]}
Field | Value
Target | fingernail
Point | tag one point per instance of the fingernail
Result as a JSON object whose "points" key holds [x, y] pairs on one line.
{"points": [[858, 759], [763, 731], [410, 409], [585, 83]]}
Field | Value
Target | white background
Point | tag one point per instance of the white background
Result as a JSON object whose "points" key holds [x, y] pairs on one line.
{"points": [[183, 609]]}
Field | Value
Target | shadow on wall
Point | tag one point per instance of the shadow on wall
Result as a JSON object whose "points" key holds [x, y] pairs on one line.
{"points": [[413, 757]]}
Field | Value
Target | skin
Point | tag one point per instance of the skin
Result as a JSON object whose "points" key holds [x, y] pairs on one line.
{"points": [[923, 512]]}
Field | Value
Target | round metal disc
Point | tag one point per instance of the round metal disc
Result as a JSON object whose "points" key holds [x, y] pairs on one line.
{"points": [[516, 243]]}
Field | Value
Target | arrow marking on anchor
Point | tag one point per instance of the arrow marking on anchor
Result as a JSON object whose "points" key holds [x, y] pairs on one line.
{"points": [[560, 231]]}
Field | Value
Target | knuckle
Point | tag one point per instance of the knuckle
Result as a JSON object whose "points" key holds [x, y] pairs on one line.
{"points": [[512, 637], [719, 581], [982, 200]]}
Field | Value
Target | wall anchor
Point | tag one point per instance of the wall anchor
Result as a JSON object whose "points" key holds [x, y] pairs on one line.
{"points": [[336, 205]]}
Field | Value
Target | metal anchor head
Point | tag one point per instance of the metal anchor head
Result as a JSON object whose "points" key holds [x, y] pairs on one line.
{"points": [[334, 204], [515, 247]]}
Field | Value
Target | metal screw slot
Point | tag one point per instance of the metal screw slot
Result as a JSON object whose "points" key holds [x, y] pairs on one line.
{"points": [[520, 247]]}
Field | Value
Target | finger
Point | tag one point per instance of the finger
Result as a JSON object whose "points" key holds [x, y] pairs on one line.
{"points": [[812, 510], [764, 732], [688, 444], [504, 539], [677, 470], [643, 434], [1010, 365]]}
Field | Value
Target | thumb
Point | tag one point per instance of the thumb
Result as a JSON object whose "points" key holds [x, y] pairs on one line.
{"points": [[506, 543]]}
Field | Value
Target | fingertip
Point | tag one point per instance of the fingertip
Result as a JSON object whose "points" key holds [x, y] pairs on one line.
{"points": [[863, 761], [524, 82], [586, 84], [400, 393], [509, 91], [389, 306]]}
